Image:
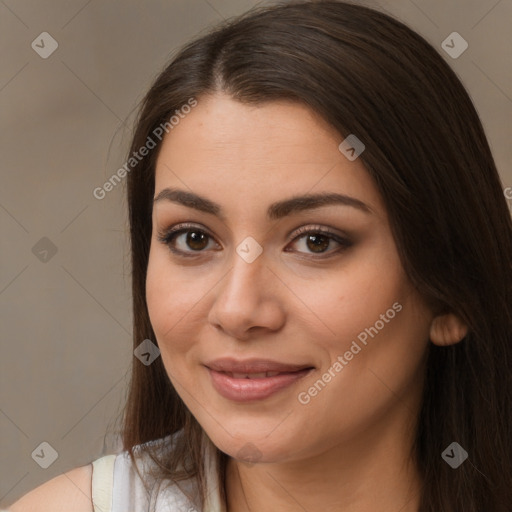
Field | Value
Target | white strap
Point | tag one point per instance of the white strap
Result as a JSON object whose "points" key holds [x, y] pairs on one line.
{"points": [[103, 483], [213, 502]]}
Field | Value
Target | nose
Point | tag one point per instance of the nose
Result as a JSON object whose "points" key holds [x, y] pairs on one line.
{"points": [[248, 300]]}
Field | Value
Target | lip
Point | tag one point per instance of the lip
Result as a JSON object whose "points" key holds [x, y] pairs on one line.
{"points": [[243, 389], [229, 364]]}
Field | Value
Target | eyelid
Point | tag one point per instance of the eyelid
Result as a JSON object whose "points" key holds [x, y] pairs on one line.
{"points": [[182, 226], [317, 228], [167, 235], [164, 236]]}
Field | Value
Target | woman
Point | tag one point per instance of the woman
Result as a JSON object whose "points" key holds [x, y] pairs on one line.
{"points": [[322, 253]]}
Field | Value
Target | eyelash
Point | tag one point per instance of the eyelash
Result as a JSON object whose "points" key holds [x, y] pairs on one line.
{"points": [[168, 236]]}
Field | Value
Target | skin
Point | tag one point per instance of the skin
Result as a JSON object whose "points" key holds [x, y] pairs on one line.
{"points": [[349, 447]]}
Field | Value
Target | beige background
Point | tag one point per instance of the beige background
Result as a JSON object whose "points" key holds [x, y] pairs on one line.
{"points": [[66, 322]]}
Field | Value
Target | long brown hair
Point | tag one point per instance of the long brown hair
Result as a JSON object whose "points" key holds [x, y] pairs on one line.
{"points": [[426, 150]]}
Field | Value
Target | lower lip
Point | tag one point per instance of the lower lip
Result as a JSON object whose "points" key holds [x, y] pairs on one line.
{"points": [[245, 390]]}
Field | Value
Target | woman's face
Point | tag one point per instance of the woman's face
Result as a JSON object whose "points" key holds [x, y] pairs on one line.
{"points": [[245, 283]]}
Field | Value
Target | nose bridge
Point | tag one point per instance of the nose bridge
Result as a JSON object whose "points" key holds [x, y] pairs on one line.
{"points": [[248, 269], [245, 297]]}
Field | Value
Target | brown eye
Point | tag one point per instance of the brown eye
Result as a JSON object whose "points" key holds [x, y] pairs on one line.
{"points": [[196, 240], [190, 241], [317, 243], [316, 240], [185, 241]]}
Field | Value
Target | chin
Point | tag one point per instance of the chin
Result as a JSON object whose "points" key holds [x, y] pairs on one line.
{"points": [[251, 446]]}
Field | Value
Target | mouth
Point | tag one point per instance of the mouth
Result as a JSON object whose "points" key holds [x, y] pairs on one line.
{"points": [[254, 366], [256, 379], [260, 375]]}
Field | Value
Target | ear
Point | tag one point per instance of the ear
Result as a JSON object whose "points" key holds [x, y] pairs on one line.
{"points": [[447, 329]]}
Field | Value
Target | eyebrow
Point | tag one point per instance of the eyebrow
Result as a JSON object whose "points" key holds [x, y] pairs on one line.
{"points": [[275, 211]]}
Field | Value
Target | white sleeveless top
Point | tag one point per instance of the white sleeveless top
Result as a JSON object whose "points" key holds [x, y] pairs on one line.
{"points": [[116, 486]]}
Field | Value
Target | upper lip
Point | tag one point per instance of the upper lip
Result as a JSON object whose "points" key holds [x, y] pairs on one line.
{"points": [[228, 364]]}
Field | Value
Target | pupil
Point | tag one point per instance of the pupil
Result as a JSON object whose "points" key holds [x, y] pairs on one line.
{"points": [[196, 240], [317, 241]]}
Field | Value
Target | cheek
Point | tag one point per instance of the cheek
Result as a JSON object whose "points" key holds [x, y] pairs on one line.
{"points": [[353, 298], [158, 297], [360, 384], [170, 299]]}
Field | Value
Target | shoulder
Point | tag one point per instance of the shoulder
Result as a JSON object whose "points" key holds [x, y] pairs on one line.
{"points": [[68, 491], [73, 490]]}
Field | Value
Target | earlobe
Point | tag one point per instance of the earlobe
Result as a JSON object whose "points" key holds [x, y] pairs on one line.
{"points": [[447, 329]]}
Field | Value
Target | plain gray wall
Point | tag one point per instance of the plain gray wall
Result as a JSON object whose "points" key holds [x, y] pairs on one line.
{"points": [[66, 119]]}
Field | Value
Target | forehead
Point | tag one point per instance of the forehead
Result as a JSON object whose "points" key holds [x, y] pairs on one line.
{"points": [[226, 149]]}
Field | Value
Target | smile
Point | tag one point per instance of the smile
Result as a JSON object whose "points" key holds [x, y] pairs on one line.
{"points": [[245, 387]]}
